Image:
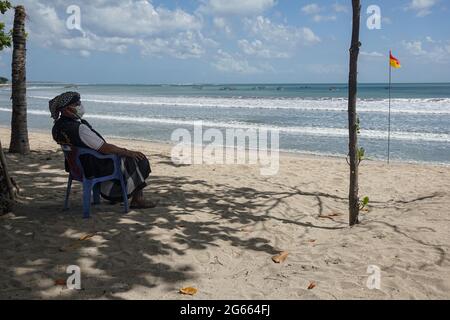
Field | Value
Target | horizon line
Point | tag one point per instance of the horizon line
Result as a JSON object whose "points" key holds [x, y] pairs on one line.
{"points": [[219, 83]]}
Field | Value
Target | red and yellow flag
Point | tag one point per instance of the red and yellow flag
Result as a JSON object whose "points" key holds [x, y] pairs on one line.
{"points": [[395, 63]]}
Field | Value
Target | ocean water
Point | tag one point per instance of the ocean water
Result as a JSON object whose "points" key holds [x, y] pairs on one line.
{"points": [[311, 118]]}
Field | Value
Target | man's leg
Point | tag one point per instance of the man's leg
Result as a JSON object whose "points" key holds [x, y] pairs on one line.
{"points": [[139, 201]]}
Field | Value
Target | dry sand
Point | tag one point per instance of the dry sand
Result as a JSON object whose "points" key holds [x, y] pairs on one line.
{"points": [[217, 228]]}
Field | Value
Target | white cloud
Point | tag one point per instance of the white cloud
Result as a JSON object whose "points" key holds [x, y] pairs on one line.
{"points": [[386, 20], [311, 8], [182, 46], [372, 54], [436, 51], [85, 53], [280, 33], [314, 9], [272, 40], [236, 7], [337, 7], [139, 18], [320, 18], [221, 23], [447, 48], [115, 26], [309, 36], [414, 47], [91, 42], [422, 7], [226, 62], [257, 48]]}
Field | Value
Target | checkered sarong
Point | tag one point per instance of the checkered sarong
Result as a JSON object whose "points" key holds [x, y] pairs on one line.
{"points": [[135, 173]]}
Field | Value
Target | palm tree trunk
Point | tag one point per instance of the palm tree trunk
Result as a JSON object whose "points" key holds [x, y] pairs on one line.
{"points": [[352, 116], [19, 130]]}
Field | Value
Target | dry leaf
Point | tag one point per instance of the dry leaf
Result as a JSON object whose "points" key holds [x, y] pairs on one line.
{"points": [[280, 257], [330, 216], [334, 214], [312, 240], [189, 291], [76, 244], [312, 285], [60, 282], [87, 236]]}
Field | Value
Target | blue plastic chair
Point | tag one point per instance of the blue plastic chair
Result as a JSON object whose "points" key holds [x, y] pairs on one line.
{"points": [[91, 185]]}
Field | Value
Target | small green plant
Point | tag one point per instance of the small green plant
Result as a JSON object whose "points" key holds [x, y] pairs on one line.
{"points": [[361, 154], [363, 203]]}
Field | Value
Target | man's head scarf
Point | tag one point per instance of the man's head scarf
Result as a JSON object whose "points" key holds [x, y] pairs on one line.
{"points": [[62, 101]]}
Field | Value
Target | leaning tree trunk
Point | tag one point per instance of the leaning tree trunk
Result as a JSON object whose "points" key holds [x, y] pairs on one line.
{"points": [[19, 130], [7, 194], [352, 116]]}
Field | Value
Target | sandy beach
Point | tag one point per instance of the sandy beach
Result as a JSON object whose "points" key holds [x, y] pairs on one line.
{"points": [[218, 227]]}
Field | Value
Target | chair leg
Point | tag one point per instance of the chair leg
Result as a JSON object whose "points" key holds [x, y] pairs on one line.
{"points": [[69, 188], [87, 190], [124, 195], [96, 192]]}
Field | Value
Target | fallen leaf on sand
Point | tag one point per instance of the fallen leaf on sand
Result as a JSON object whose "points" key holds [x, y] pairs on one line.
{"points": [[76, 244], [280, 257], [189, 291], [312, 285], [330, 216], [87, 236], [312, 240], [60, 282]]}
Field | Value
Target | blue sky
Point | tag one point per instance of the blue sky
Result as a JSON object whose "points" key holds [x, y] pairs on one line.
{"points": [[223, 41]]}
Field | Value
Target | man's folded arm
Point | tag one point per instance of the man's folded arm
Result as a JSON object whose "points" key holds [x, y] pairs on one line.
{"points": [[107, 148], [94, 142]]}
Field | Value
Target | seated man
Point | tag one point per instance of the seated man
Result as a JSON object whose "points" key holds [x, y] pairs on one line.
{"points": [[70, 129]]}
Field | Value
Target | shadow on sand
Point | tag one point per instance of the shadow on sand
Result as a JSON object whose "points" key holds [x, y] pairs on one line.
{"points": [[44, 239]]}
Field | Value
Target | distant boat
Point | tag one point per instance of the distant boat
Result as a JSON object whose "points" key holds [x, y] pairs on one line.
{"points": [[227, 89]]}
